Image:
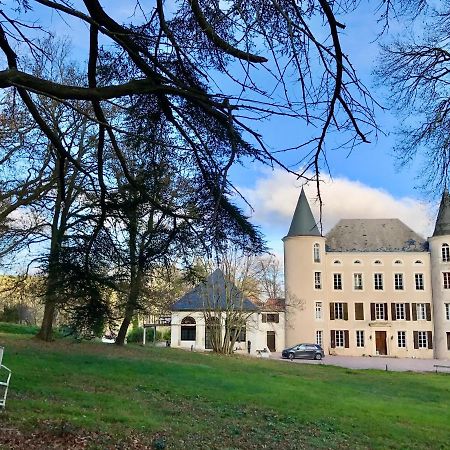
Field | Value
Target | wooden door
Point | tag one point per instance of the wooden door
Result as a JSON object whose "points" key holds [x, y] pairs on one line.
{"points": [[380, 342], [271, 340]]}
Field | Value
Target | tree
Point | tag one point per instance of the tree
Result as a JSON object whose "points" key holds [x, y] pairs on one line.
{"points": [[44, 196], [416, 67], [224, 293], [199, 60], [269, 273]]}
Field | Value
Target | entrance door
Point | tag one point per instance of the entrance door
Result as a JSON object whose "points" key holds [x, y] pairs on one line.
{"points": [[380, 342], [271, 340]]}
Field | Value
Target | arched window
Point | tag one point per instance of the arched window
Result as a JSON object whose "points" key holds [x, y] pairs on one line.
{"points": [[397, 261], [445, 253], [336, 261], [316, 251], [418, 262], [213, 332], [357, 261], [188, 329], [377, 261]]}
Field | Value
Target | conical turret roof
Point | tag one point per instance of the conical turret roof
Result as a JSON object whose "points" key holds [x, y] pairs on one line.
{"points": [[303, 222], [442, 226]]}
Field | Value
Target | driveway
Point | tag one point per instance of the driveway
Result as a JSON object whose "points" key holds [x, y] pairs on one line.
{"points": [[375, 362]]}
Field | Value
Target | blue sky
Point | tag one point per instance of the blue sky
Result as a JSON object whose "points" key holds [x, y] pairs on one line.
{"points": [[369, 172]]}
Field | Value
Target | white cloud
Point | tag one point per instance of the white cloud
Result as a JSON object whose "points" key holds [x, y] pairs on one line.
{"points": [[275, 195]]}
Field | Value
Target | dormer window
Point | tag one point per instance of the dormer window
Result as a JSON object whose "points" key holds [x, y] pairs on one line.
{"points": [[316, 253], [445, 253]]}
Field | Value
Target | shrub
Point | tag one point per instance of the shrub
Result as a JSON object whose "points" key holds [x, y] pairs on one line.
{"points": [[137, 335], [14, 328], [166, 335]]}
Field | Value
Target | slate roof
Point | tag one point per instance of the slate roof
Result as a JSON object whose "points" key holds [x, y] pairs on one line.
{"points": [[303, 222], [216, 288], [374, 235], [443, 218]]}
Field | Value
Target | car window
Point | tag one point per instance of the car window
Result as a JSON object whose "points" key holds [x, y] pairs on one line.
{"points": [[302, 347], [311, 347]]}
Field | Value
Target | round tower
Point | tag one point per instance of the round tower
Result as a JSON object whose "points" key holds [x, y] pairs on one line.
{"points": [[439, 245], [304, 274]]}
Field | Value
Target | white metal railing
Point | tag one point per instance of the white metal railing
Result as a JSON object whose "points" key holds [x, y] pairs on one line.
{"points": [[3, 384]]}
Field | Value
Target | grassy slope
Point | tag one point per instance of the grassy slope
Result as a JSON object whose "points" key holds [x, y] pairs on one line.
{"points": [[195, 400]]}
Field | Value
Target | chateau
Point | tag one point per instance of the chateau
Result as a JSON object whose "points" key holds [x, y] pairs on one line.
{"points": [[369, 286]]}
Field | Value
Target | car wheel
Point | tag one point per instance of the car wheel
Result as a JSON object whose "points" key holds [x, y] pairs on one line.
{"points": [[318, 356], [291, 356]]}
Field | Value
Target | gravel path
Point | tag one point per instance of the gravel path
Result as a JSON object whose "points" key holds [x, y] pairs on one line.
{"points": [[376, 362]]}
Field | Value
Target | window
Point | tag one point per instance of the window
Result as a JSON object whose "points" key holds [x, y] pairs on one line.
{"points": [[378, 281], [360, 338], [317, 280], [445, 253], [380, 313], [270, 318], [236, 330], [337, 281], [359, 311], [357, 281], [418, 277], [338, 310], [421, 311], [188, 329], [357, 261], [397, 262], [422, 339], [447, 311], [241, 336], [319, 337], [418, 262], [377, 261], [398, 281], [401, 339], [446, 276], [212, 331], [336, 261], [339, 338], [319, 311], [400, 313], [316, 252]]}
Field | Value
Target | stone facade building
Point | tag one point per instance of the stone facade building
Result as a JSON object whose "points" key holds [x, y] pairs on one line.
{"points": [[369, 286]]}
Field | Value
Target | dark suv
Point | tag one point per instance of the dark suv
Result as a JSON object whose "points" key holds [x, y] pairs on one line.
{"points": [[306, 351]]}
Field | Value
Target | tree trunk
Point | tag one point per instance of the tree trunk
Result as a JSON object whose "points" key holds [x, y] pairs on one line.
{"points": [[46, 331], [132, 302]]}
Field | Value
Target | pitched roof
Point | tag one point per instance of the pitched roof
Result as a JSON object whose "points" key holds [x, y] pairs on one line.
{"points": [[272, 304], [374, 235], [442, 226], [303, 222], [216, 292]]}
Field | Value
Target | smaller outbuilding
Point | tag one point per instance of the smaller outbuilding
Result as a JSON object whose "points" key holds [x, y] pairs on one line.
{"points": [[217, 300]]}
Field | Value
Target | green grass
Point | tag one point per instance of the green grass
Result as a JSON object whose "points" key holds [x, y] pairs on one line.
{"points": [[176, 399], [15, 328]]}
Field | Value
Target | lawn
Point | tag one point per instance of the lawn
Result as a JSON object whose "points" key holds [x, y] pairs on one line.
{"points": [[91, 395]]}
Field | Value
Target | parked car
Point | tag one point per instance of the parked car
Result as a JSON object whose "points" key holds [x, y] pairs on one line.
{"points": [[306, 351]]}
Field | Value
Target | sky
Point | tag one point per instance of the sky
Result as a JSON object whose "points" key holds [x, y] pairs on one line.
{"points": [[363, 184]]}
